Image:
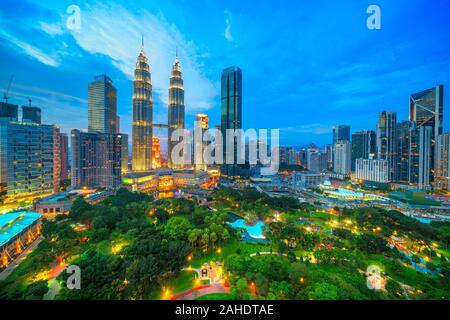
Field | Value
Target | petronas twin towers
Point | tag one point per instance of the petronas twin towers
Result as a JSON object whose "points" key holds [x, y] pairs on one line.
{"points": [[142, 127]]}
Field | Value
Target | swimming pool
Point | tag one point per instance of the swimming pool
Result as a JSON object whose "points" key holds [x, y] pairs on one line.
{"points": [[252, 233]]}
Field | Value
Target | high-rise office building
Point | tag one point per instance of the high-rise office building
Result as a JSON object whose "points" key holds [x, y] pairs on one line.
{"points": [[176, 108], [342, 157], [203, 123], [426, 108], [328, 151], [28, 162], [96, 159], [102, 105], [64, 156], [341, 133], [407, 152], [9, 111], [317, 161], [372, 170], [231, 115], [425, 174], [156, 153], [363, 145], [31, 114], [124, 152], [386, 141], [142, 115], [443, 161]]}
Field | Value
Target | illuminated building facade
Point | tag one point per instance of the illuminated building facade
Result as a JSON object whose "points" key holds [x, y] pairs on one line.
{"points": [[142, 115], [231, 115], [156, 153], [96, 159], [373, 170], [19, 229], [386, 141], [64, 156], [102, 105], [342, 157], [443, 161], [29, 165], [176, 108], [200, 163]]}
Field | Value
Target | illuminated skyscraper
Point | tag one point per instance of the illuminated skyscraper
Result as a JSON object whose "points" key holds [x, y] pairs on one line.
{"points": [[29, 165], [96, 159], [443, 161], [342, 157], [200, 163], [102, 105], [142, 115], [176, 107], [156, 153], [387, 141], [64, 155], [231, 115]]}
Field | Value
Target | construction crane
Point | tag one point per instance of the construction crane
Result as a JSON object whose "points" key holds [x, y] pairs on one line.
{"points": [[5, 96]]}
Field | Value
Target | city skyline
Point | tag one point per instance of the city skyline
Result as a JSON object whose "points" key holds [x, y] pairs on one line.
{"points": [[380, 77]]}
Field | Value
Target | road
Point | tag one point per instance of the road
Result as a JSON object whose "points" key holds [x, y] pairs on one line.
{"points": [[13, 265]]}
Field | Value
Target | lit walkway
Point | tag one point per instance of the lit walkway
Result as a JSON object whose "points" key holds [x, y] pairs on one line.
{"points": [[196, 292]]}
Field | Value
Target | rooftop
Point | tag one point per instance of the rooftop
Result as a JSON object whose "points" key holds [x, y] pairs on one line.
{"points": [[12, 224]]}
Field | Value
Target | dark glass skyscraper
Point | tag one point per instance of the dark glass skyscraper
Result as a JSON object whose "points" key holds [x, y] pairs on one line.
{"points": [[176, 107], [96, 159], [102, 105], [407, 153], [31, 114], [341, 133], [231, 115], [142, 115], [363, 144], [386, 141], [426, 108], [64, 155], [9, 111]]}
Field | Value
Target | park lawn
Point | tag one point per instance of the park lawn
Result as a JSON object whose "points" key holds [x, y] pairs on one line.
{"points": [[214, 296], [184, 281], [229, 248], [418, 198]]}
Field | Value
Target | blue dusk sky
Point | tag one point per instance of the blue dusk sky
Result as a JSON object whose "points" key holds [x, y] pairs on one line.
{"points": [[307, 65]]}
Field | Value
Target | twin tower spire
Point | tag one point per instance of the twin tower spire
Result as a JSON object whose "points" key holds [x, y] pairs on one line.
{"points": [[142, 125]]}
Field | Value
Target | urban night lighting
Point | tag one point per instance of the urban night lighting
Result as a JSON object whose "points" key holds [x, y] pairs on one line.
{"points": [[171, 150]]}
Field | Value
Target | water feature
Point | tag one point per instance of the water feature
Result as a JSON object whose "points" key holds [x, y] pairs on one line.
{"points": [[252, 233]]}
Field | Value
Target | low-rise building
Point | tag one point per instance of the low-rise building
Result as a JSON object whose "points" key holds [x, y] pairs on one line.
{"points": [[307, 179]]}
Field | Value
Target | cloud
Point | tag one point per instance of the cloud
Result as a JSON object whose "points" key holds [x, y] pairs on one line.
{"points": [[227, 34], [29, 49], [313, 128], [51, 29], [115, 32]]}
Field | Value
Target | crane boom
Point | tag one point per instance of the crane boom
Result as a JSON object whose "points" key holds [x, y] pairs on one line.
{"points": [[5, 96]]}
